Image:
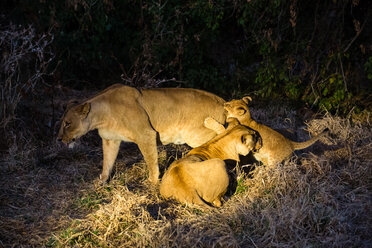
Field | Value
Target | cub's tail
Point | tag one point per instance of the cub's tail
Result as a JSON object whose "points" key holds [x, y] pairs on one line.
{"points": [[199, 201], [303, 145]]}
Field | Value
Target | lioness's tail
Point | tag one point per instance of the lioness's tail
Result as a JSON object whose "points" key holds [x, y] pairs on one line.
{"points": [[303, 145]]}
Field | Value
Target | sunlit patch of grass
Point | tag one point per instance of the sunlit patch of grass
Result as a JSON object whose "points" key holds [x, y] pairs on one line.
{"points": [[69, 234], [74, 236], [90, 201], [241, 186]]}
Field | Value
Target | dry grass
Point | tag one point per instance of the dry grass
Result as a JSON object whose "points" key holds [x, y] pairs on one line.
{"points": [[321, 197]]}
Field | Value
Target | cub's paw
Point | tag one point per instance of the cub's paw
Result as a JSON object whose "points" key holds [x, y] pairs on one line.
{"points": [[217, 203], [214, 125], [210, 122]]}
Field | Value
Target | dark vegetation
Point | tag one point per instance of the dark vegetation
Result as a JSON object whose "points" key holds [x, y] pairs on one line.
{"points": [[314, 52], [302, 61]]}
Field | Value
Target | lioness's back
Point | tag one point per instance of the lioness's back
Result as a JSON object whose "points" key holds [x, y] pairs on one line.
{"points": [[177, 114], [183, 111], [191, 101]]}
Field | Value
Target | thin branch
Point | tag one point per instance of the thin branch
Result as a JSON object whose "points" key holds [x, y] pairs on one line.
{"points": [[356, 36], [342, 71]]}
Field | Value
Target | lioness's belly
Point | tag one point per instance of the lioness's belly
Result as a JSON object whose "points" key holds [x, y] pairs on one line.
{"points": [[193, 138], [175, 138]]}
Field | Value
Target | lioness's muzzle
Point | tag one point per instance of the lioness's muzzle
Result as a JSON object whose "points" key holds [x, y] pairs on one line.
{"points": [[66, 141]]}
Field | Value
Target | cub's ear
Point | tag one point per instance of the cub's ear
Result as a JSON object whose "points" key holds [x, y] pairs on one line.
{"points": [[69, 104], [240, 111], [83, 109], [258, 145], [247, 99]]}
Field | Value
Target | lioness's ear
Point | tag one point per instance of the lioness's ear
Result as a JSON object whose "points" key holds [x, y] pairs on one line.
{"points": [[83, 109], [247, 99]]}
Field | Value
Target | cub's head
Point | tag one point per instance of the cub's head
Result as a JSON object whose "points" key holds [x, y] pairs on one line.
{"points": [[238, 108], [74, 123], [246, 139]]}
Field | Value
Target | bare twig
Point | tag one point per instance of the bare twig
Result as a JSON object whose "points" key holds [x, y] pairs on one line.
{"points": [[24, 63], [356, 36], [342, 71]]}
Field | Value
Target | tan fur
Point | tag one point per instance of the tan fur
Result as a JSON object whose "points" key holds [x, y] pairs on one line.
{"points": [[122, 113], [275, 147], [201, 175]]}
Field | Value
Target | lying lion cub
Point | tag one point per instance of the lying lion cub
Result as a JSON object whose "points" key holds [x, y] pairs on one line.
{"points": [[201, 175], [122, 113], [275, 147]]}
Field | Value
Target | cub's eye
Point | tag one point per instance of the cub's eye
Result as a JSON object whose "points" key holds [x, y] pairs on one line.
{"points": [[67, 124]]}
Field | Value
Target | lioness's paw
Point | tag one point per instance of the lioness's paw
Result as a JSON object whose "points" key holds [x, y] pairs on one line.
{"points": [[153, 181], [103, 178]]}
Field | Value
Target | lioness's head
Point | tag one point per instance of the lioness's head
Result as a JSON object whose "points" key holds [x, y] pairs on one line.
{"points": [[238, 108], [73, 123]]}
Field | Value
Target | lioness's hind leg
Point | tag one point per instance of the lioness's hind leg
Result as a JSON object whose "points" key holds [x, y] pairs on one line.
{"points": [[214, 125], [110, 152]]}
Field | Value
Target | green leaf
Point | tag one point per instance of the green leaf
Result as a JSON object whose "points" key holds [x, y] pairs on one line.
{"points": [[325, 91]]}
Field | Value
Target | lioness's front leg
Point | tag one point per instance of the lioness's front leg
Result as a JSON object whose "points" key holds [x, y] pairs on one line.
{"points": [[149, 151], [110, 152]]}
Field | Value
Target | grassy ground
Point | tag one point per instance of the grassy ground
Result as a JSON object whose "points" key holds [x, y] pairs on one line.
{"points": [[321, 197]]}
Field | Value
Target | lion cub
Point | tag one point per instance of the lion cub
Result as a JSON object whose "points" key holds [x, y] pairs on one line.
{"points": [[275, 147], [201, 175]]}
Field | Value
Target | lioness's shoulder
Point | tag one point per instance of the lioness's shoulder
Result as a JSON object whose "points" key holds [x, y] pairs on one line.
{"points": [[116, 91]]}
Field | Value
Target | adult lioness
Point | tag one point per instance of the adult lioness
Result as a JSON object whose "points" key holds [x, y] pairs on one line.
{"points": [[122, 113], [201, 175], [275, 147]]}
